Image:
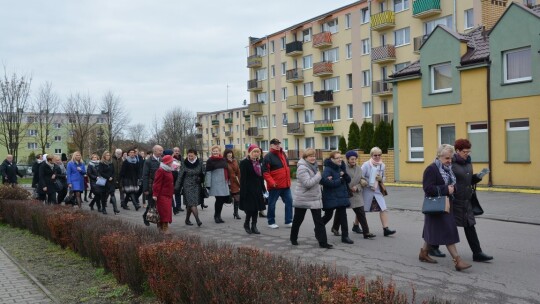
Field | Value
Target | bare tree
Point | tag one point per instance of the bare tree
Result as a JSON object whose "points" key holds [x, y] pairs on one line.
{"points": [[116, 118], [81, 120], [177, 128], [46, 108], [14, 93], [136, 133], [157, 134]]}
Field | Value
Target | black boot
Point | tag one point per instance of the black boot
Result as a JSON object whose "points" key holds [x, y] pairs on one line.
{"points": [[246, 227], [235, 214], [147, 223], [388, 232], [103, 210], [254, 229], [356, 228], [113, 203]]}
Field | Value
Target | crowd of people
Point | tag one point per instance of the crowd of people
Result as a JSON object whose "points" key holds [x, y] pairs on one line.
{"points": [[162, 179]]}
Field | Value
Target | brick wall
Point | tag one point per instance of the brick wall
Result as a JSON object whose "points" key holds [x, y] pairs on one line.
{"points": [[492, 10]]}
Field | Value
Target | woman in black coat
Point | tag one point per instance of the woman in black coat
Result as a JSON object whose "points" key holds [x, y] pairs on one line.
{"points": [[251, 188], [129, 177], [47, 178], [105, 169], [61, 179]]}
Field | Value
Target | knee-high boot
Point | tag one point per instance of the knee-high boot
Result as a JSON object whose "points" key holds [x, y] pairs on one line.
{"points": [[235, 214]]}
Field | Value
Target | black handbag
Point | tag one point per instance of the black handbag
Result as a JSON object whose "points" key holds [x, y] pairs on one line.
{"points": [[58, 184], [436, 205], [476, 208]]}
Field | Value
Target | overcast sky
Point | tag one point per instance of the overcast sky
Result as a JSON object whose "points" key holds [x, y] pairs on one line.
{"points": [[155, 55]]}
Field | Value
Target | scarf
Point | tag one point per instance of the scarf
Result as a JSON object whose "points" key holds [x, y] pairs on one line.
{"points": [[62, 167], [314, 167], [165, 167], [446, 172], [218, 162], [375, 169], [256, 166], [107, 162], [93, 163], [50, 165]]}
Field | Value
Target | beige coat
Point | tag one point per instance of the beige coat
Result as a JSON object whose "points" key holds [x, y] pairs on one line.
{"points": [[356, 174], [307, 193]]}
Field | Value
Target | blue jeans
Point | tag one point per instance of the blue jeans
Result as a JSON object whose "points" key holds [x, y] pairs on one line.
{"points": [[286, 196]]}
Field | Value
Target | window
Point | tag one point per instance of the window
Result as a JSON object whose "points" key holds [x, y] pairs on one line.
{"points": [[261, 74], [285, 144], [100, 120], [57, 151], [400, 5], [272, 47], [284, 93], [365, 47], [261, 50], [32, 146], [349, 111], [367, 109], [308, 116], [348, 51], [306, 35], [57, 125], [332, 113], [517, 141], [469, 18], [237, 128], [447, 134], [30, 119], [430, 25], [32, 132], [262, 122], [331, 142], [331, 84], [441, 78], [283, 41], [348, 21], [401, 66], [330, 26], [331, 55], [261, 97], [365, 15], [273, 120], [283, 68], [416, 144], [517, 65], [284, 119], [273, 95], [307, 62], [273, 70], [349, 81], [402, 36], [478, 135], [308, 89], [366, 78], [58, 138], [309, 142], [263, 144], [384, 111]]}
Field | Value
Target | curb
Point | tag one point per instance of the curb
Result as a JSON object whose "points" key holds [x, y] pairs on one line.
{"points": [[528, 221], [30, 276], [480, 188]]}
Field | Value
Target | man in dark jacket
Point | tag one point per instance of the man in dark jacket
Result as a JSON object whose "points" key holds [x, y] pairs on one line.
{"points": [[277, 175], [9, 171], [117, 162], [151, 165], [35, 174]]}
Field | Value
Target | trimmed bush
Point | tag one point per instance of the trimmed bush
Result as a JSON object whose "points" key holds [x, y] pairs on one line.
{"points": [[13, 193]]}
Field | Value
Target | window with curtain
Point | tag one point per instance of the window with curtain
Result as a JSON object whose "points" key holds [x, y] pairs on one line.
{"points": [[441, 78], [416, 144], [517, 65]]}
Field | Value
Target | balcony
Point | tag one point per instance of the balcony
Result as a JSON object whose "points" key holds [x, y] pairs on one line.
{"points": [[387, 117], [198, 125], [254, 61], [295, 128], [322, 40], [229, 120], [198, 135], [247, 118], [323, 126], [321, 69], [383, 54], [383, 21], [295, 75], [215, 135], [325, 97], [254, 85], [254, 132], [228, 134], [381, 88], [426, 8], [215, 122], [418, 42], [255, 108], [295, 102], [294, 48]]}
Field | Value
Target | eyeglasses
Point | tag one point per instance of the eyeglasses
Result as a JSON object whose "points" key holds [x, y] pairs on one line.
{"points": [[337, 158], [376, 155], [466, 151]]}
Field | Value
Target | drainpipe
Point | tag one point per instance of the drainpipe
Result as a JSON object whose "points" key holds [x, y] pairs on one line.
{"points": [[455, 17], [488, 101], [371, 60], [268, 89]]}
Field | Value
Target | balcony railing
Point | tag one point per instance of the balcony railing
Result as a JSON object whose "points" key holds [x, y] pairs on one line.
{"points": [[322, 69], [198, 125], [254, 61], [198, 135], [322, 40], [247, 118], [228, 134], [215, 122], [426, 8], [381, 88], [382, 21], [215, 135], [418, 42], [295, 102], [295, 128], [383, 54], [255, 108], [295, 75], [323, 126], [254, 132], [387, 117], [254, 85], [229, 120], [323, 97], [294, 48]]}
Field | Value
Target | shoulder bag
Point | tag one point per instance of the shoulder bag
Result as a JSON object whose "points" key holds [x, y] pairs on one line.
{"points": [[476, 208], [152, 215], [101, 181], [436, 205]]}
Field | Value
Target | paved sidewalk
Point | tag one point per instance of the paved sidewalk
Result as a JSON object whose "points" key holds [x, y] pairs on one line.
{"points": [[15, 286]]}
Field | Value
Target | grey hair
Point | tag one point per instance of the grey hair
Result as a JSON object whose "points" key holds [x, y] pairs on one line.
{"points": [[375, 150], [445, 148]]}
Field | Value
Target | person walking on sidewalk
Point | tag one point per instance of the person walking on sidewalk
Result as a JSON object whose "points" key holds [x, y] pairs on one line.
{"points": [[75, 176], [92, 175], [441, 229], [217, 181], [129, 179], [251, 188], [151, 165], [373, 171], [234, 180], [307, 195], [277, 175], [118, 161], [47, 179], [162, 193], [9, 171], [188, 183], [105, 170]]}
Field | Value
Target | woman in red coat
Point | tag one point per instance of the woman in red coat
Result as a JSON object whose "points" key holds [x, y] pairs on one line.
{"points": [[162, 193]]}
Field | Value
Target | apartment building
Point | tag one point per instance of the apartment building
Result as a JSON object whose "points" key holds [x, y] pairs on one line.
{"points": [[225, 128]]}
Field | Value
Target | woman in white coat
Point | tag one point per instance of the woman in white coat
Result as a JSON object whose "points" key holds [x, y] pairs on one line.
{"points": [[373, 171], [307, 195]]}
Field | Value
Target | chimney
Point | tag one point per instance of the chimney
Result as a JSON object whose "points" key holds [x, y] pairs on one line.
{"points": [[492, 10]]}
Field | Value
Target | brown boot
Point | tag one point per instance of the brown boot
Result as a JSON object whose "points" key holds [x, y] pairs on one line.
{"points": [[165, 228], [424, 257], [460, 265]]}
